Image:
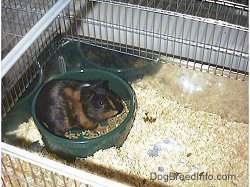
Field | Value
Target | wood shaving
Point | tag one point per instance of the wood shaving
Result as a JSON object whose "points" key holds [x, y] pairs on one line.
{"points": [[204, 143], [180, 140]]}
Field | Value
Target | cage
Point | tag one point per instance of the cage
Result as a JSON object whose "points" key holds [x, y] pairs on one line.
{"points": [[192, 91]]}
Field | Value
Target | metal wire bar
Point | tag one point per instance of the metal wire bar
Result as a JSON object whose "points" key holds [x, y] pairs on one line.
{"points": [[166, 12], [64, 182], [23, 173], [151, 34], [32, 173], [201, 44], [6, 173], [31, 36], [16, 81], [145, 28], [14, 171], [3, 182], [17, 19], [52, 166], [199, 8], [43, 178]]}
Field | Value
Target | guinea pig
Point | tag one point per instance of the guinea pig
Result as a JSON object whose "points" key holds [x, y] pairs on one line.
{"points": [[63, 104]]}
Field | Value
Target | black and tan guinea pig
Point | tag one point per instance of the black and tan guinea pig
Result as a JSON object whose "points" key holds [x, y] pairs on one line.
{"points": [[63, 104]]}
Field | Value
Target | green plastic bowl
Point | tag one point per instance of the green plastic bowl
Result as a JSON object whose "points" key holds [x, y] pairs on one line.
{"points": [[85, 147]]}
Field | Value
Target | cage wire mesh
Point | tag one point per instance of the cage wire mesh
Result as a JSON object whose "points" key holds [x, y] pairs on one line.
{"points": [[23, 168], [207, 35], [17, 172], [200, 32], [18, 17]]}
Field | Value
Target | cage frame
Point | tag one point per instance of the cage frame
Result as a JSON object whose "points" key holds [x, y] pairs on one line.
{"points": [[60, 19]]}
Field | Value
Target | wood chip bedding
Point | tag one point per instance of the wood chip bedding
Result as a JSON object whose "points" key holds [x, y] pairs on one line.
{"points": [[170, 137]]}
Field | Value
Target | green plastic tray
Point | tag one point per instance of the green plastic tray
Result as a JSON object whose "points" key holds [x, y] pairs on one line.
{"points": [[85, 147]]}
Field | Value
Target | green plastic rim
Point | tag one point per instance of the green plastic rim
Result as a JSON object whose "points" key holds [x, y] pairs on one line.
{"points": [[85, 147]]}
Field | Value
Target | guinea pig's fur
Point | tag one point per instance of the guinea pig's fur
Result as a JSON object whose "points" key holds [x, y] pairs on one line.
{"points": [[63, 104]]}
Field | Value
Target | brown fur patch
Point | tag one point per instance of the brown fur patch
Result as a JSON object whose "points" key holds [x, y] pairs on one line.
{"points": [[84, 121], [68, 92], [72, 94], [76, 95]]}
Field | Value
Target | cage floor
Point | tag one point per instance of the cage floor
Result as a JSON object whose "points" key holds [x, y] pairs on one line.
{"points": [[187, 123]]}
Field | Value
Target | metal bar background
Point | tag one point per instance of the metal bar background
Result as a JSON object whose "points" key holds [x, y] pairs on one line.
{"points": [[23, 167], [151, 29], [31, 36]]}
